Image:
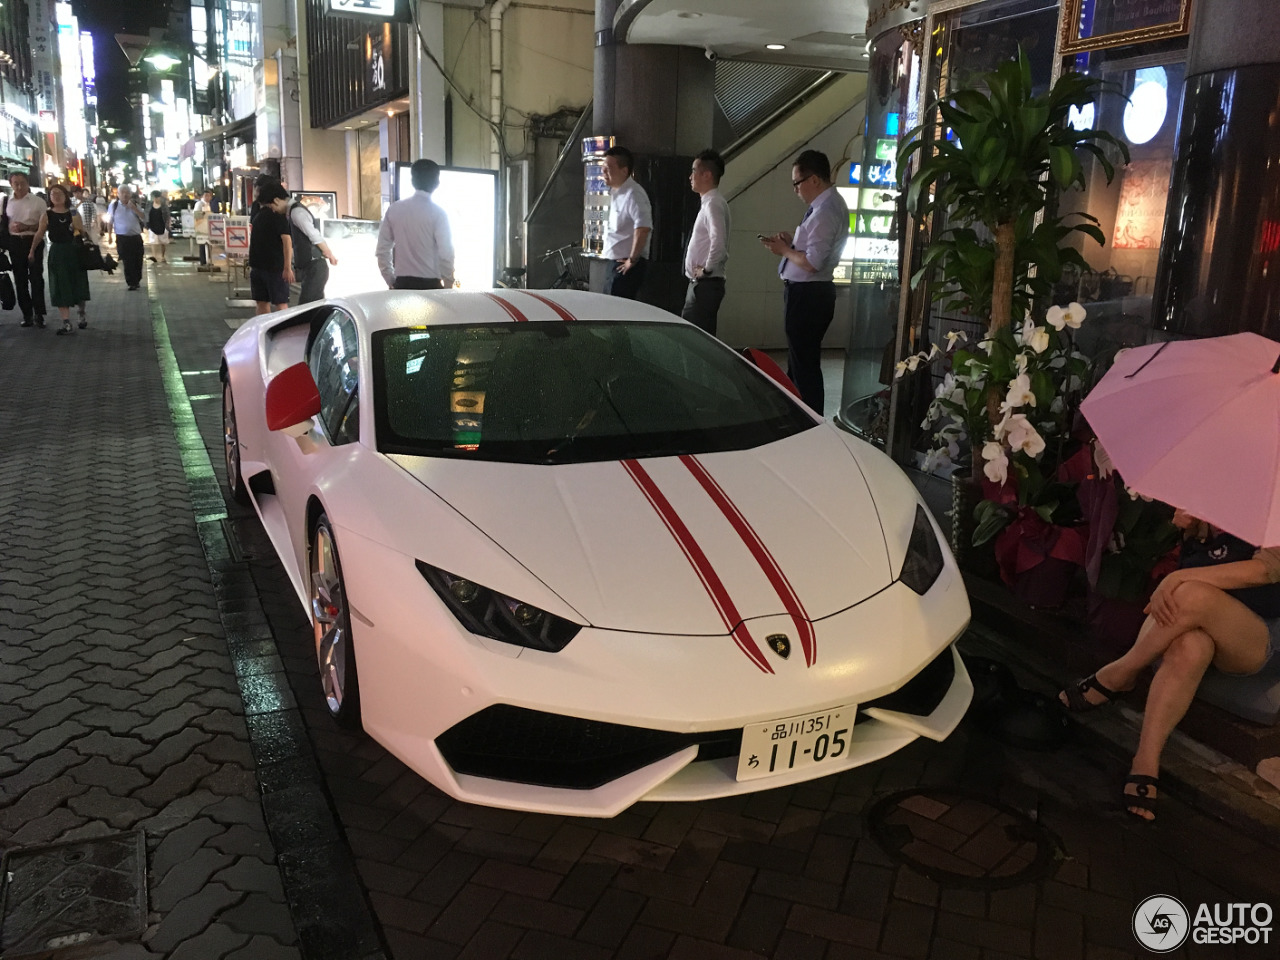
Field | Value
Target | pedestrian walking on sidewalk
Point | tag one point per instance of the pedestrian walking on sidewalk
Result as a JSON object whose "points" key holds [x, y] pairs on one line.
{"points": [[25, 210], [68, 280], [415, 243], [271, 250], [626, 240], [311, 255], [809, 259], [89, 214], [708, 250], [127, 222], [158, 225], [200, 212]]}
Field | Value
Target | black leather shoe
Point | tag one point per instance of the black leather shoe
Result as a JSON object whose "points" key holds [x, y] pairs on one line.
{"points": [[40, 322], [26, 322]]}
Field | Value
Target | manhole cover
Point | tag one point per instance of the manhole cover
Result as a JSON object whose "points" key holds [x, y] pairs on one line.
{"points": [[960, 840], [68, 894]]}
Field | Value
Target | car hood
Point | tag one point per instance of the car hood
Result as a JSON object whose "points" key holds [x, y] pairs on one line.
{"points": [[657, 545]]}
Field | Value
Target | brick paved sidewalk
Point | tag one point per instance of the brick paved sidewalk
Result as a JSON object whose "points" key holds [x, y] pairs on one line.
{"points": [[792, 874], [121, 710]]}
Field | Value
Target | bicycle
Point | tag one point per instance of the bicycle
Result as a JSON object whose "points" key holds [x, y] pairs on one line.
{"points": [[574, 273], [511, 278]]}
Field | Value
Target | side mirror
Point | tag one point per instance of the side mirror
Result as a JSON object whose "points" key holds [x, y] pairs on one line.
{"points": [[292, 398], [764, 363]]}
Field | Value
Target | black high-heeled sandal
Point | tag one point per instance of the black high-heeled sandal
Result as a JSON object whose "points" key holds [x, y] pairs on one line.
{"points": [[1143, 799], [66, 328], [1075, 694]]}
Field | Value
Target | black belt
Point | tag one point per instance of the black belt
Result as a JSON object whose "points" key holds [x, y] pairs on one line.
{"points": [[705, 279]]}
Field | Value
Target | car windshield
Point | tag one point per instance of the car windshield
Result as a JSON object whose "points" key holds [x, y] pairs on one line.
{"points": [[553, 392]]}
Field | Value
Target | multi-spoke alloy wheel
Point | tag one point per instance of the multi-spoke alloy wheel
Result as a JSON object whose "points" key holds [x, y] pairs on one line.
{"points": [[231, 446], [332, 626]]}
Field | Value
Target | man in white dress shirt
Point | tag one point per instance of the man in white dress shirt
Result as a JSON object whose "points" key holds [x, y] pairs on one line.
{"points": [[708, 249], [809, 260], [626, 241], [415, 247]]}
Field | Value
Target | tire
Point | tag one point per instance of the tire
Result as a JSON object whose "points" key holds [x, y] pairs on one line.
{"points": [[231, 447], [331, 628]]}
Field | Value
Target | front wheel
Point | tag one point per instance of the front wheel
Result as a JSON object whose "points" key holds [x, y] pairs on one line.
{"points": [[231, 447], [331, 619]]}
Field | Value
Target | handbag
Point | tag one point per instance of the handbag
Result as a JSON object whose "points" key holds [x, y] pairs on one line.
{"points": [[4, 218], [8, 295]]}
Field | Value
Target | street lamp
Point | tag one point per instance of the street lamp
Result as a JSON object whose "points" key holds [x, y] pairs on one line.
{"points": [[162, 61]]}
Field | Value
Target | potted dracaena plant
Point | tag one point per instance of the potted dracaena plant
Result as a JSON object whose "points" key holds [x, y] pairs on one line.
{"points": [[993, 159]]}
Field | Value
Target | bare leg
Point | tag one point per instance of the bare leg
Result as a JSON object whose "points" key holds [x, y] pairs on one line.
{"points": [[1171, 693], [1239, 637]]}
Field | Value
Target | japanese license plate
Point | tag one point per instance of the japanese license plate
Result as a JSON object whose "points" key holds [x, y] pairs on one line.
{"points": [[780, 746]]}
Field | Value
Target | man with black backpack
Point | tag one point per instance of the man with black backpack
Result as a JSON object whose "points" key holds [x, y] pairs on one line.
{"points": [[309, 252]]}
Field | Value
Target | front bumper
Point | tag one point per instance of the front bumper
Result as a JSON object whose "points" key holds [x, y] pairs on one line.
{"points": [[423, 679]]}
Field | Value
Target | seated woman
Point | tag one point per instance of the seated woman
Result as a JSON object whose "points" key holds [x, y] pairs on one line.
{"points": [[1221, 608]]}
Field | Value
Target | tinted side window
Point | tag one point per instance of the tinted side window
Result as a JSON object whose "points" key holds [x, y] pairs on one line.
{"points": [[334, 365]]}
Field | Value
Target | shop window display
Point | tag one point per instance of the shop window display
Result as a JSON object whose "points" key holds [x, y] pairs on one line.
{"points": [[893, 97], [1141, 110]]}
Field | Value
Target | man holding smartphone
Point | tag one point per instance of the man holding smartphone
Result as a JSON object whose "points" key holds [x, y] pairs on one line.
{"points": [[809, 259], [127, 222]]}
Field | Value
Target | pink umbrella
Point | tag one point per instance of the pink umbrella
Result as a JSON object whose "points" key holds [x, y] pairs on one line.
{"points": [[1196, 423]]}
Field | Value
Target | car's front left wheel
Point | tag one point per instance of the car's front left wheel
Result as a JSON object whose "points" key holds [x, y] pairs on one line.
{"points": [[331, 619]]}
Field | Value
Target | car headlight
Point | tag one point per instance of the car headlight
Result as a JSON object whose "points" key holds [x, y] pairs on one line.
{"points": [[490, 614], [924, 555]]}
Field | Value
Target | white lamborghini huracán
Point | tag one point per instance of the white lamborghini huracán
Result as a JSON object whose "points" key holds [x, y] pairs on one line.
{"points": [[564, 552]]}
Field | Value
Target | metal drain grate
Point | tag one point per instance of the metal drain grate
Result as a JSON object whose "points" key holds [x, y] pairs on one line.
{"points": [[68, 894], [960, 840]]}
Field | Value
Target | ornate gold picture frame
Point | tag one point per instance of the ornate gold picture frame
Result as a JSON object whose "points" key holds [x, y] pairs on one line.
{"points": [[1141, 21]]}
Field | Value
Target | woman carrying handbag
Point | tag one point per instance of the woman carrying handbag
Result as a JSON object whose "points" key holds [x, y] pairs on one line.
{"points": [[68, 280]]}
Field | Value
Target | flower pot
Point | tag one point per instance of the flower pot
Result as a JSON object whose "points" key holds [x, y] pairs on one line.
{"points": [[1046, 584]]}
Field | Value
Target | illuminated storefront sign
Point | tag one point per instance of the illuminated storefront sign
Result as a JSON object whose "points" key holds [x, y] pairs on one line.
{"points": [[380, 9]]}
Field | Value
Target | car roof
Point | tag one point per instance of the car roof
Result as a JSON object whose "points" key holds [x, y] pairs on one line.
{"points": [[389, 309]]}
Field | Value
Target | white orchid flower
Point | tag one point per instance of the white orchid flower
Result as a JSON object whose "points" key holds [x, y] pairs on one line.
{"points": [[1056, 317], [996, 467], [1102, 460], [1075, 315], [1037, 338], [956, 336], [1021, 362], [1021, 435], [1020, 393], [936, 459]]}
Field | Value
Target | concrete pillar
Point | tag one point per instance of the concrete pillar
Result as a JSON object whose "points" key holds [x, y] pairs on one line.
{"points": [[427, 87], [1220, 259], [659, 102]]}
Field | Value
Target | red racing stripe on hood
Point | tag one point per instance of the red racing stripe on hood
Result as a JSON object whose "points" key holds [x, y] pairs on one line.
{"points": [[701, 565], [512, 312], [561, 312], [786, 593]]}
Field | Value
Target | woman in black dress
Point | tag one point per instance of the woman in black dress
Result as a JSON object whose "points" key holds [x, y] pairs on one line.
{"points": [[68, 280], [158, 224]]}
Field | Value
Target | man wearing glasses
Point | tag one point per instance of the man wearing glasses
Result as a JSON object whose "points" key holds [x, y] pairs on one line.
{"points": [[809, 258]]}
